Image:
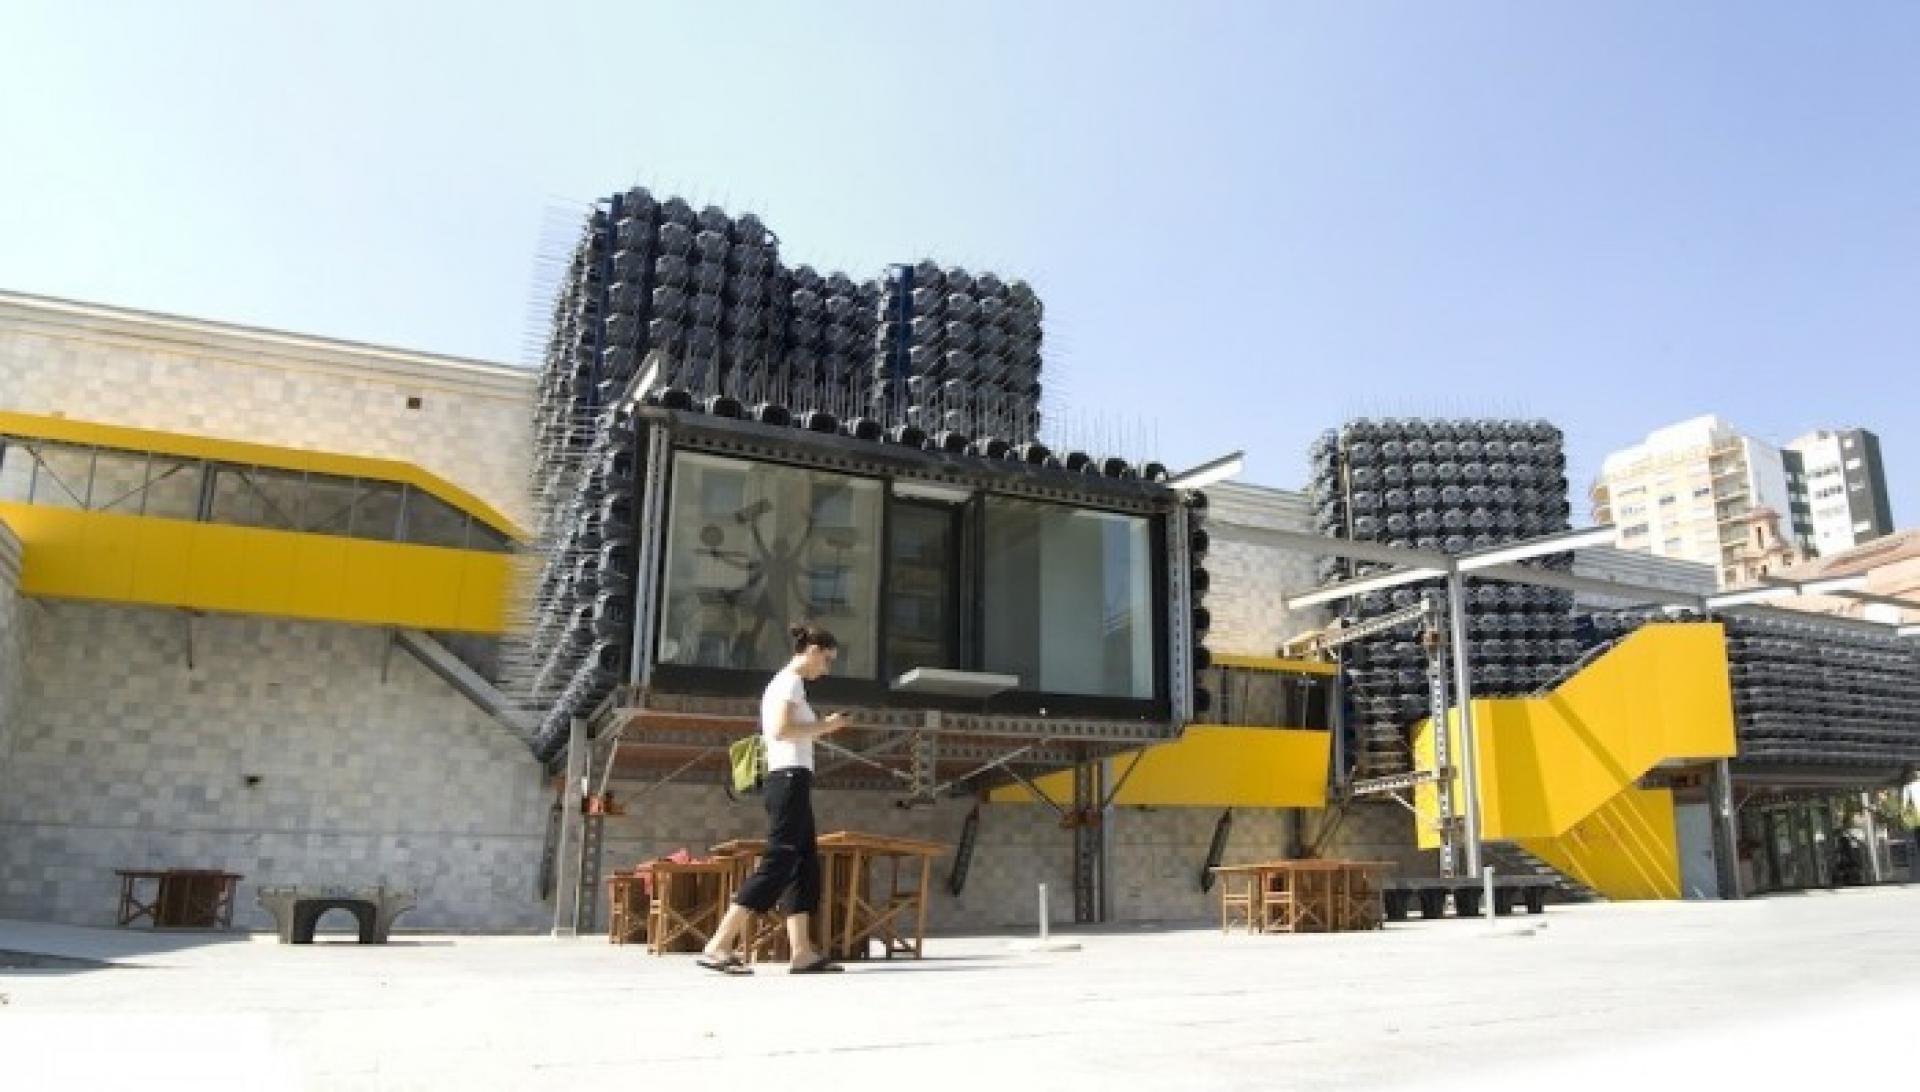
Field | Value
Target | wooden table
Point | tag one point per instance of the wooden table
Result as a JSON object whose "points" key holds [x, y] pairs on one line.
{"points": [[688, 899], [860, 910], [627, 908], [183, 897], [853, 911], [766, 934], [1299, 896]]}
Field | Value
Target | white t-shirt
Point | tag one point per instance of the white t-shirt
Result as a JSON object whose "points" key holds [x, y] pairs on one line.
{"points": [[786, 688]]}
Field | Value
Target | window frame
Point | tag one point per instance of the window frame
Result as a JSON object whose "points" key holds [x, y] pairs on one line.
{"points": [[876, 689]]}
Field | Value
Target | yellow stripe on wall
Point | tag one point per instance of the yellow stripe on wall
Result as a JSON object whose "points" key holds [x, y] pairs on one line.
{"points": [[251, 454], [117, 558]]}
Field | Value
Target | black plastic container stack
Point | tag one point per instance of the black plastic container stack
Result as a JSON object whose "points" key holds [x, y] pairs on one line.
{"points": [[1819, 693], [930, 356], [1449, 486]]}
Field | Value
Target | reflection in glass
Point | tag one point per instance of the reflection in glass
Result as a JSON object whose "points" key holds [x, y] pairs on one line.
{"points": [[377, 515], [60, 478], [1068, 599], [754, 547], [173, 488], [433, 522], [119, 479], [922, 588], [16, 471]]}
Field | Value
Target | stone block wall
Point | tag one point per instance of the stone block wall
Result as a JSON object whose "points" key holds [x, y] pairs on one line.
{"points": [[15, 616], [112, 366], [288, 751], [1155, 854], [1252, 577]]}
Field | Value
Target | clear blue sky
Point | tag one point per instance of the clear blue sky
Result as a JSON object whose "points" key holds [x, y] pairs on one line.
{"points": [[1248, 221]]}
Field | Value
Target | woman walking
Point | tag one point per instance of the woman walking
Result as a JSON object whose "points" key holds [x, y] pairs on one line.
{"points": [[791, 864]]}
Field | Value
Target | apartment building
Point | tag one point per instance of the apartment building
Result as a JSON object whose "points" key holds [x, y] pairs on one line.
{"points": [[1701, 491], [1838, 488]]}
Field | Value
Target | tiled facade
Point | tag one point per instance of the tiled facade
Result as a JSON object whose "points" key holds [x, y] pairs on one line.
{"points": [[289, 752], [1251, 576], [15, 614], [115, 753], [160, 372]]}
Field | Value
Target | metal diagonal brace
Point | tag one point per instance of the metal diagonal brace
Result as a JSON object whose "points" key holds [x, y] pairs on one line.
{"points": [[1122, 783], [893, 741], [856, 756], [680, 769], [613, 752], [1038, 794], [990, 764]]}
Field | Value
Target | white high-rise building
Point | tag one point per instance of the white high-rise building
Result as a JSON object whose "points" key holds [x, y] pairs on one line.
{"points": [[1701, 491], [1839, 488]]}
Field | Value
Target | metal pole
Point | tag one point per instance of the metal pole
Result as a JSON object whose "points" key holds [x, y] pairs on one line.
{"points": [[1463, 695], [566, 892], [1729, 824], [1873, 837], [1486, 894], [1043, 911]]}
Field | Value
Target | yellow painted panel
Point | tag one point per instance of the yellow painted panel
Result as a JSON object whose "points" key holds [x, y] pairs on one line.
{"points": [[113, 557], [161, 568], [250, 454], [1274, 663], [1548, 763], [1212, 766], [485, 586], [1627, 849]]}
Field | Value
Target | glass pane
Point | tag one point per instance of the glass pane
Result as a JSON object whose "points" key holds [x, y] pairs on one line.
{"points": [[119, 479], [252, 496], [329, 505], [754, 547], [1068, 597], [60, 479], [16, 471], [377, 514], [433, 522], [234, 500], [279, 495], [482, 537], [922, 589], [173, 488]]}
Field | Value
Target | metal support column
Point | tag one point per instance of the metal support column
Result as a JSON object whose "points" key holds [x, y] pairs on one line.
{"points": [[566, 891], [1433, 639], [1105, 803], [1086, 843], [1873, 838], [1727, 825], [593, 858], [1463, 695]]}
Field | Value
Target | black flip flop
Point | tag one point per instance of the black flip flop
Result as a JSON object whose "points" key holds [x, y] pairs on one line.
{"points": [[723, 964], [823, 965]]}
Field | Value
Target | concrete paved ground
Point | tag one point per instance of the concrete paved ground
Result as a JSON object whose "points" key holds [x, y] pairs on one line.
{"points": [[1647, 990]]}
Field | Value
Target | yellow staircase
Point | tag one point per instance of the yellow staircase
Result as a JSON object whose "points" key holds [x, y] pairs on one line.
{"points": [[1558, 774]]}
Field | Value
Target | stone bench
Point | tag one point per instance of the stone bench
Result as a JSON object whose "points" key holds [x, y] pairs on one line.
{"points": [[297, 908]]}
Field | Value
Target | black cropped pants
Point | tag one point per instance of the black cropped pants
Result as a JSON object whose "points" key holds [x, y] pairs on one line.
{"points": [[791, 864]]}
